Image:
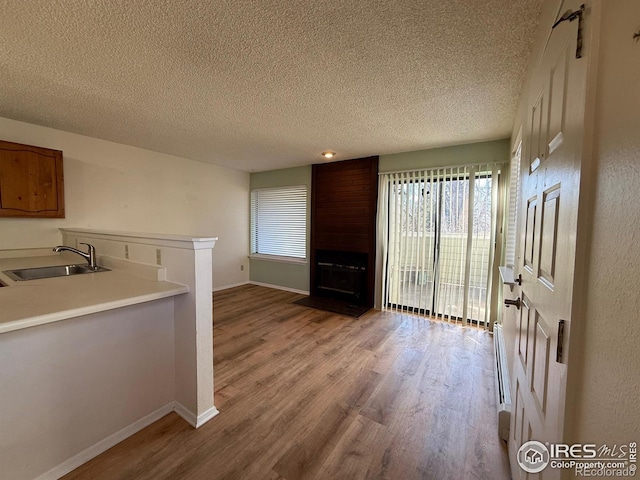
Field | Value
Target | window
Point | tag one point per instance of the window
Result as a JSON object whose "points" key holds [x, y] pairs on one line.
{"points": [[440, 229], [279, 222], [514, 194]]}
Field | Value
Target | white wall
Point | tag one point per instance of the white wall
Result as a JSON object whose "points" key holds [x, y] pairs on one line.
{"points": [[603, 385], [67, 386], [117, 187], [607, 411]]}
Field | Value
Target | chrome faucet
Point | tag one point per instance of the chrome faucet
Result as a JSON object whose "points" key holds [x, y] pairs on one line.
{"points": [[90, 257]]}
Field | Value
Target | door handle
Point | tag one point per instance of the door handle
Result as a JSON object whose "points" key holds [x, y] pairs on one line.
{"points": [[515, 302]]}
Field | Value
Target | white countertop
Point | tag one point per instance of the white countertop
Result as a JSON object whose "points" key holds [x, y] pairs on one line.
{"points": [[36, 302]]}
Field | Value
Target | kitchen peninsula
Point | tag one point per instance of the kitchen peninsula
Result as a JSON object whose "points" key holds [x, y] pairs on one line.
{"points": [[87, 360]]}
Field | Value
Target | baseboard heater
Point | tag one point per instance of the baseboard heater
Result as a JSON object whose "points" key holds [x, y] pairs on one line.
{"points": [[503, 392]]}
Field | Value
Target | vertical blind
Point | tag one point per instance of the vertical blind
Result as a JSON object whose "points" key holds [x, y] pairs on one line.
{"points": [[279, 221], [437, 231]]}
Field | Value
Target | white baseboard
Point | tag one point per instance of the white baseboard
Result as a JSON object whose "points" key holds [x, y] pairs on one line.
{"points": [[280, 287], [105, 444], [191, 418], [233, 285]]}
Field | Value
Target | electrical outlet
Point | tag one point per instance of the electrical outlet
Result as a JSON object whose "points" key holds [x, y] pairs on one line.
{"points": [[158, 256], [126, 251]]}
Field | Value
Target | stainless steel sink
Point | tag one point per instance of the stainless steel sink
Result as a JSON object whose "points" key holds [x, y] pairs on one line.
{"points": [[49, 272]]}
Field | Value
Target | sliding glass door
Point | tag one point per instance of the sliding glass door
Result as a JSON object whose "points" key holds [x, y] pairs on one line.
{"points": [[412, 254], [440, 232]]}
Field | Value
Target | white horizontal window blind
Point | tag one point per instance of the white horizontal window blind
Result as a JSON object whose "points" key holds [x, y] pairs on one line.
{"points": [[279, 221], [514, 193]]}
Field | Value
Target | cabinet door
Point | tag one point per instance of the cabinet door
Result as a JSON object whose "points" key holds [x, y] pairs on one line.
{"points": [[31, 181]]}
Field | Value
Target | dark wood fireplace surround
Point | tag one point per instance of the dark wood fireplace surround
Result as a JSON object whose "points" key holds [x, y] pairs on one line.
{"points": [[343, 230]]}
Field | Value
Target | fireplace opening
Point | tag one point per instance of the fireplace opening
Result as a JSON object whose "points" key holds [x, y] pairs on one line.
{"points": [[342, 275]]}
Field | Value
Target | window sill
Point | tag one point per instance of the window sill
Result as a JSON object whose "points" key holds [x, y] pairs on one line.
{"points": [[275, 258]]}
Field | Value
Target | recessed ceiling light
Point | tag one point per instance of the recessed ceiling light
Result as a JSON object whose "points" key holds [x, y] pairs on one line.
{"points": [[328, 154]]}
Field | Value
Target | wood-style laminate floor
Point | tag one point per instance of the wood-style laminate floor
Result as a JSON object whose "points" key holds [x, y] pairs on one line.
{"points": [[306, 394]]}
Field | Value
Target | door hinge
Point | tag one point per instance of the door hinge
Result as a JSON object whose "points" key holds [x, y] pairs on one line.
{"points": [[560, 341], [571, 16]]}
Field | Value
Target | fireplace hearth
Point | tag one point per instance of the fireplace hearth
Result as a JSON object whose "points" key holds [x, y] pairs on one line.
{"points": [[342, 275]]}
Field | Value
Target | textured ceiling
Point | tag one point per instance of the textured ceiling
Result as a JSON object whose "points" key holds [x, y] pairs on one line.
{"points": [[265, 84]]}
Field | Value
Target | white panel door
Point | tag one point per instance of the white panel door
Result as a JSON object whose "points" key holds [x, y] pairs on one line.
{"points": [[550, 179]]}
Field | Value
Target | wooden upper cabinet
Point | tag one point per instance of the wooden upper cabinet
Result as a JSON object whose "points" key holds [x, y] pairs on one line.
{"points": [[31, 181]]}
